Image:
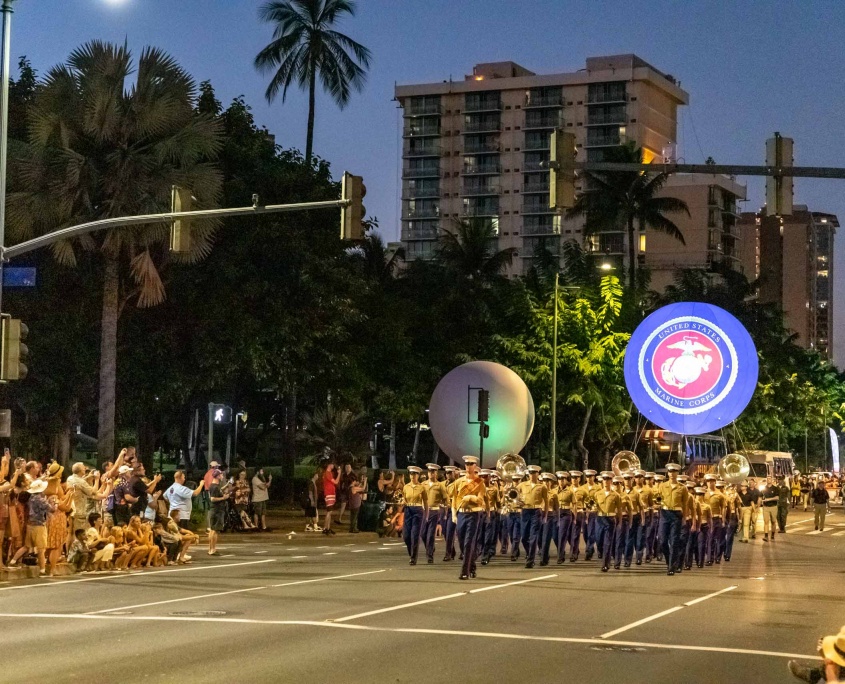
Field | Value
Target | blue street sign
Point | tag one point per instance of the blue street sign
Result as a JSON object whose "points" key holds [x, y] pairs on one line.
{"points": [[691, 368], [19, 276]]}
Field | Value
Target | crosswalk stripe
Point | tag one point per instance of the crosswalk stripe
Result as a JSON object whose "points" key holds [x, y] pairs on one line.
{"points": [[838, 534], [815, 532]]}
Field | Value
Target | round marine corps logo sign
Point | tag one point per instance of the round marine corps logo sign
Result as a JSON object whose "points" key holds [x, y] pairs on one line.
{"points": [[691, 368]]}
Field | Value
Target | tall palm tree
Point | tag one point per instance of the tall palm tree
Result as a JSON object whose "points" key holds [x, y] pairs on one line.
{"points": [[305, 45], [379, 263], [470, 251], [99, 147], [626, 200]]}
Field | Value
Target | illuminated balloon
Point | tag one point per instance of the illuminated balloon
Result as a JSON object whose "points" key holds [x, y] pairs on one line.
{"points": [[691, 368], [453, 412]]}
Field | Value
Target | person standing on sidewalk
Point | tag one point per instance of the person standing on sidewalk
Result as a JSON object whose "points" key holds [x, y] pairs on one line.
{"points": [[769, 503], [783, 503], [356, 497], [820, 499]]}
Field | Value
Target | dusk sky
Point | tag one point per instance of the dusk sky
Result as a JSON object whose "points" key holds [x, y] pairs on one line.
{"points": [[750, 68]]}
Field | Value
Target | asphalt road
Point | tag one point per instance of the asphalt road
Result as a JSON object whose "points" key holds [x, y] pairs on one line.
{"points": [[350, 609]]}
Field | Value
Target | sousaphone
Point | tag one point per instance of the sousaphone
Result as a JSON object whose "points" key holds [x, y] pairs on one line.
{"points": [[734, 468], [624, 462]]}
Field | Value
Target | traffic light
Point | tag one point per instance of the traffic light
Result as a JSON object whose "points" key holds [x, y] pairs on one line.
{"points": [[561, 180], [352, 215], [483, 405], [779, 188], [14, 352], [180, 230]]}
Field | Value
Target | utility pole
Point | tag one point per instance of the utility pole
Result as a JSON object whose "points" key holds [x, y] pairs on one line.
{"points": [[6, 10]]}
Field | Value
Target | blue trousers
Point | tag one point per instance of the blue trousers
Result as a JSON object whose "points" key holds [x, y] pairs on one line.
{"points": [[686, 528], [468, 524], [548, 533], [639, 532], [411, 529], [579, 524], [730, 533], [491, 535], [670, 534], [449, 535], [429, 531], [531, 519], [504, 532], [717, 538], [620, 543], [516, 533], [591, 532], [606, 532], [564, 534]]}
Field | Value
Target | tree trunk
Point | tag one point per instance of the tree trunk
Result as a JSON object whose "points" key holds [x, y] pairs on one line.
{"points": [[309, 136], [585, 455], [391, 462], [416, 444], [108, 359], [632, 254]]}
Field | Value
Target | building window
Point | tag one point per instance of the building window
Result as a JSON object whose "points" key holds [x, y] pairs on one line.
{"points": [[642, 243]]}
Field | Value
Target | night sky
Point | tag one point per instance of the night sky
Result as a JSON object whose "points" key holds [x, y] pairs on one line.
{"points": [[751, 68]]}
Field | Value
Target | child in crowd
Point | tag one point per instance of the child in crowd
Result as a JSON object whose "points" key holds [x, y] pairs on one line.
{"points": [[79, 554]]}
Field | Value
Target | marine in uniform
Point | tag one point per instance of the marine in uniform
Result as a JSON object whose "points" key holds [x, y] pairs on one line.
{"points": [[716, 500], [448, 525], [566, 516], [698, 540], [484, 524], [549, 526], [469, 503], [579, 511], [437, 497], [686, 525], [515, 519], [535, 501], [658, 541], [635, 524], [646, 499], [608, 515], [590, 526], [624, 525], [673, 497], [416, 508]]}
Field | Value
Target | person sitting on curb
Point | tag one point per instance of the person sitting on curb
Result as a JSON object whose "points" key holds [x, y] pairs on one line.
{"points": [[832, 651]]}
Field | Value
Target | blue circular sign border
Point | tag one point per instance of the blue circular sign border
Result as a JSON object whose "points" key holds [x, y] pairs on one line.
{"points": [[735, 387]]}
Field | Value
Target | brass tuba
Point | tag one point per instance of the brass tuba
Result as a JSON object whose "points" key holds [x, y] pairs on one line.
{"points": [[734, 468], [509, 465], [624, 462]]}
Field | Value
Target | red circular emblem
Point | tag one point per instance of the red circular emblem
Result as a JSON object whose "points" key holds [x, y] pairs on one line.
{"points": [[687, 365]]}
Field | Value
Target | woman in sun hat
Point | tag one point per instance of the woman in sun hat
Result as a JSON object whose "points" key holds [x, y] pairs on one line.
{"points": [[832, 651]]}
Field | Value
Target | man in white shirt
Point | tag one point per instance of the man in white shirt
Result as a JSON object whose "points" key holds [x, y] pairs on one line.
{"points": [[179, 498]]}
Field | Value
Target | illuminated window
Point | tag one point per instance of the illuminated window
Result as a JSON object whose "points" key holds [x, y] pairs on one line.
{"points": [[642, 242], [822, 274]]}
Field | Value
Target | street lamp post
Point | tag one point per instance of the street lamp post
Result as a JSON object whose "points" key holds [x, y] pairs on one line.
{"points": [[6, 10], [554, 378]]}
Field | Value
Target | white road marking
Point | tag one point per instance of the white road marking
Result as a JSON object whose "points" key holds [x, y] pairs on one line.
{"points": [[299, 556], [233, 591], [709, 596], [663, 613], [330, 553], [228, 555], [260, 552], [358, 550], [815, 532], [139, 574], [392, 608], [395, 544], [412, 630], [510, 584], [322, 547], [838, 534]]}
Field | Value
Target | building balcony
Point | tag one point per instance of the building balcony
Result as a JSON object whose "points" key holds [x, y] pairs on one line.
{"points": [[421, 130], [534, 207], [422, 151], [485, 126], [542, 122], [540, 229], [541, 185], [421, 172], [426, 212], [529, 166], [481, 169], [542, 143], [482, 148], [422, 230], [426, 109], [480, 190], [538, 102], [603, 140], [421, 193], [608, 95], [600, 119], [476, 210], [483, 105]]}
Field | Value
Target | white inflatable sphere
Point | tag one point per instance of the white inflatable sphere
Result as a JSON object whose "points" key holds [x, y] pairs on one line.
{"points": [[453, 412]]}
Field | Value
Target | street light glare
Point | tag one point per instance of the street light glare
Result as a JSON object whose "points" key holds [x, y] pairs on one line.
{"points": [[606, 266]]}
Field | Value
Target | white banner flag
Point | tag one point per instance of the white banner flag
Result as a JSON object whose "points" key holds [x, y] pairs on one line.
{"points": [[834, 450]]}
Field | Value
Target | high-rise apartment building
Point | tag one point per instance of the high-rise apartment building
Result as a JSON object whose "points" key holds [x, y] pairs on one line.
{"points": [[792, 257], [475, 148], [713, 236]]}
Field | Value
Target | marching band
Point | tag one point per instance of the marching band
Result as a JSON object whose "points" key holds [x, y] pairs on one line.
{"points": [[630, 517]]}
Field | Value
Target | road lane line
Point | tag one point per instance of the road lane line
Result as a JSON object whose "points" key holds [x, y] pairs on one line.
{"points": [[413, 630], [838, 534], [710, 596], [299, 556], [392, 608], [510, 584], [358, 550], [233, 591], [663, 613], [330, 553], [139, 574], [815, 532]]}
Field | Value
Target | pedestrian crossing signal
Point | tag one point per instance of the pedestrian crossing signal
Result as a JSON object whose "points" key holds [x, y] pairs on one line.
{"points": [[353, 191], [14, 352]]}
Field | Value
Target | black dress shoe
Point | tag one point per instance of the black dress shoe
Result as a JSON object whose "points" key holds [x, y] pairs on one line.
{"points": [[412, 562], [461, 557], [560, 561], [670, 572], [727, 559], [573, 559], [687, 567], [627, 564], [484, 561], [513, 558], [709, 563], [446, 559], [600, 555], [529, 564], [463, 577], [639, 561], [603, 568], [589, 556], [472, 574], [700, 565], [718, 562], [431, 561], [543, 564], [616, 566]]}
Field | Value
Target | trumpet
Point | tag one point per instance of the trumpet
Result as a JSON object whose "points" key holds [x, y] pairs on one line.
{"points": [[590, 503]]}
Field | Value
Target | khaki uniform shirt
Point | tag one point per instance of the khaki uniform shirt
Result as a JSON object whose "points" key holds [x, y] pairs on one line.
{"points": [[565, 498], [675, 497], [703, 511], [470, 495], [716, 501], [533, 495], [634, 501], [436, 493], [414, 494], [609, 503]]}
